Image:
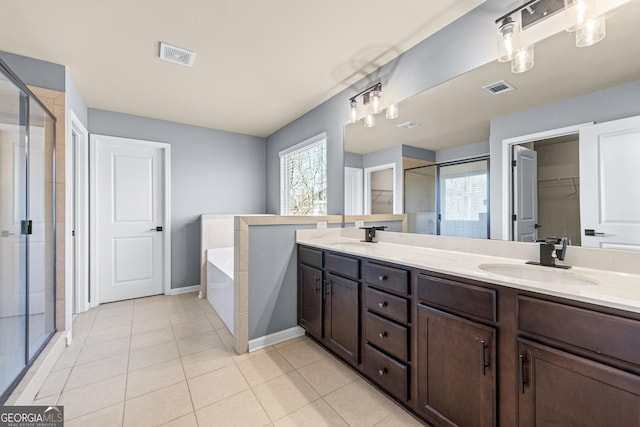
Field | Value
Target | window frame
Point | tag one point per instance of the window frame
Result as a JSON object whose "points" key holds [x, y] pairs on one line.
{"points": [[285, 156]]}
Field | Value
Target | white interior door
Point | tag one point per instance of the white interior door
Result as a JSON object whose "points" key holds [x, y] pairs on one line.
{"points": [[353, 191], [130, 218], [525, 194], [610, 202]]}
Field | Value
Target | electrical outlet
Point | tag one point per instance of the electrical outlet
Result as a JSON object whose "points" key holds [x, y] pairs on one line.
{"points": [[360, 223], [321, 224]]}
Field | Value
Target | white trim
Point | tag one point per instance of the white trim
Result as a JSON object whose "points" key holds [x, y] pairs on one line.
{"points": [[506, 167], [184, 290], [303, 144], [275, 338], [397, 201], [166, 149], [82, 219]]}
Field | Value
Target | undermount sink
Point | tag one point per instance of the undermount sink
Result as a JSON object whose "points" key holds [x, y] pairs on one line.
{"points": [[539, 274]]}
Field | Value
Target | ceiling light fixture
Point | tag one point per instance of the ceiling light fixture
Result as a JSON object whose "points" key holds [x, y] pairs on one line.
{"points": [[582, 16], [372, 101]]}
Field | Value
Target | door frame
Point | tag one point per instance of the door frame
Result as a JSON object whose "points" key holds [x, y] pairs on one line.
{"points": [[397, 204], [81, 179], [507, 179], [95, 139]]}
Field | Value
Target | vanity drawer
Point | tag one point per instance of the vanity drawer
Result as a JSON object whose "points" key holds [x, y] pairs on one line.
{"points": [[386, 335], [342, 265], [389, 278], [312, 257], [388, 305], [601, 333], [458, 297], [391, 375]]}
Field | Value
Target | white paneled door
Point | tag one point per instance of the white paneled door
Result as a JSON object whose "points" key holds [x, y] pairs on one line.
{"points": [[610, 184], [130, 218], [525, 194]]}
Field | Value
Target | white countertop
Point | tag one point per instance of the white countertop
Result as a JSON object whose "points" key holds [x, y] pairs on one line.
{"points": [[606, 288]]}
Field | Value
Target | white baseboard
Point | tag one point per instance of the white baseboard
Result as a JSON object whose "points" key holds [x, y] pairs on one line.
{"points": [[278, 337], [185, 290]]}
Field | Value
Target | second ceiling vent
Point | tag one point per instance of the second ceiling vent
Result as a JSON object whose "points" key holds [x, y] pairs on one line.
{"points": [[177, 55]]}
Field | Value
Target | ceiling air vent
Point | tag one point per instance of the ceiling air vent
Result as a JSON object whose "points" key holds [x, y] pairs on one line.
{"points": [[408, 125], [499, 87], [176, 54]]}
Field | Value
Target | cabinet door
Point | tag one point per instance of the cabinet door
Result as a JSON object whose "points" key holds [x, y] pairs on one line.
{"points": [[558, 388], [456, 369], [310, 300], [341, 316]]}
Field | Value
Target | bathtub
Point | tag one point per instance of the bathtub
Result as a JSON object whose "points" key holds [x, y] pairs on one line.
{"points": [[220, 283]]}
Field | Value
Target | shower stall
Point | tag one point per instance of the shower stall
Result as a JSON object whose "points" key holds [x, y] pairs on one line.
{"points": [[27, 229]]}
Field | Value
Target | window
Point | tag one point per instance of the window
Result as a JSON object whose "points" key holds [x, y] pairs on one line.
{"points": [[303, 178]]}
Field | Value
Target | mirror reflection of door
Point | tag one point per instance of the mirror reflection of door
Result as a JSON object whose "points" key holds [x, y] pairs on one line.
{"points": [[546, 183], [381, 191]]}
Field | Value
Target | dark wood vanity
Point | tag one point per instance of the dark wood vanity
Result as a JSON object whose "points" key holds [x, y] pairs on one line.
{"points": [[460, 352]]}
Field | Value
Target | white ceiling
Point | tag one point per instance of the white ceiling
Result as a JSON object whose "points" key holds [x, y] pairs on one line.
{"points": [[458, 112], [259, 64]]}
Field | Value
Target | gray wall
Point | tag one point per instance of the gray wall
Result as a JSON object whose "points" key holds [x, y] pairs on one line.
{"points": [[75, 102], [273, 275], [353, 160], [212, 172], [35, 72], [601, 106], [462, 46], [465, 152], [418, 153]]}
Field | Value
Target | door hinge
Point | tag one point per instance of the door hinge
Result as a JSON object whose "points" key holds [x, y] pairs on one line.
{"points": [[514, 163], [26, 227], [514, 217]]}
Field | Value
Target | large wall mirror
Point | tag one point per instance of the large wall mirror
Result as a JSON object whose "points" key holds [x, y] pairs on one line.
{"points": [[552, 120]]}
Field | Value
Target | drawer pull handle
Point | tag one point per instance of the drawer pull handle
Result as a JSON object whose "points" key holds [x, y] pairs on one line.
{"points": [[382, 304], [382, 334], [523, 378], [485, 364], [382, 371], [382, 278]]}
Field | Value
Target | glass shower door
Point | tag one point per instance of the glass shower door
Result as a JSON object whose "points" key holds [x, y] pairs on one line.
{"points": [[40, 245], [13, 244]]}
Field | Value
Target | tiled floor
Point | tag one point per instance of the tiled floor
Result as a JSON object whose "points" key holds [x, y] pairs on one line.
{"points": [[168, 361]]}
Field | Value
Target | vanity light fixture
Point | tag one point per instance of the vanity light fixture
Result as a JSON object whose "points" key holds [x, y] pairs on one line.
{"points": [[371, 97], [582, 16]]}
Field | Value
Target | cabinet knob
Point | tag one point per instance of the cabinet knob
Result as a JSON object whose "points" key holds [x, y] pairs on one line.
{"points": [[382, 371], [382, 278], [382, 334], [382, 304]]}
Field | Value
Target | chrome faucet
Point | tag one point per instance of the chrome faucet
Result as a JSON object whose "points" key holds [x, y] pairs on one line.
{"points": [[549, 252]]}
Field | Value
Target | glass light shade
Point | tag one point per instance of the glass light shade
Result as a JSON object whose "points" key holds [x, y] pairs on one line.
{"points": [[591, 32], [353, 112], [370, 121], [577, 12], [523, 60], [392, 112], [508, 39], [375, 101]]}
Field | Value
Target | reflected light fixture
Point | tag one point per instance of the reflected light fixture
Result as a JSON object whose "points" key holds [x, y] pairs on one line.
{"points": [[370, 121], [392, 112], [353, 112], [582, 16], [372, 99]]}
